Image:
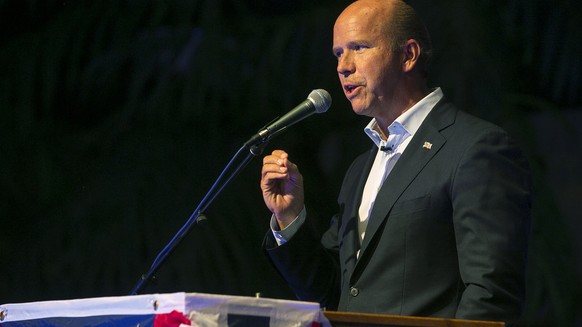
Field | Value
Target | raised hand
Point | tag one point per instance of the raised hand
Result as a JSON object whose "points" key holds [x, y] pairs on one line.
{"points": [[282, 187]]}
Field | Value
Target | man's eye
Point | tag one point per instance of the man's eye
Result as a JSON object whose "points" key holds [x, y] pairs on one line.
{"points": [[359, 47]]}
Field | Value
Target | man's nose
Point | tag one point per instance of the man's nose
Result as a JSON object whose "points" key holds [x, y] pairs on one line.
{"points": [[345, 64]]}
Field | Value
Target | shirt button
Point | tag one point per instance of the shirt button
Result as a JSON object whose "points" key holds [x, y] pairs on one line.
{"points": [[354, 291]]}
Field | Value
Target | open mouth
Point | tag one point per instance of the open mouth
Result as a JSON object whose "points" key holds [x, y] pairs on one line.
{"points": [[350, 88]]}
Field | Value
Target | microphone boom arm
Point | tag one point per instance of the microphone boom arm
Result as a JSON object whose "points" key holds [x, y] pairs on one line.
{"points": [[318, 101], [197, 216]]}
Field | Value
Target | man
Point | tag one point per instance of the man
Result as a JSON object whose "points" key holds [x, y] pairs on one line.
{"points": [[433, 220]]}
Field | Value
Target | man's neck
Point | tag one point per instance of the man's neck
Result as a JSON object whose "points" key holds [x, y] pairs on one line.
{"points": [[400, 107]]}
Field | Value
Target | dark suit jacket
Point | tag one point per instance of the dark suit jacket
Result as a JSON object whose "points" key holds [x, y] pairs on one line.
{"points": [[447, 236]]}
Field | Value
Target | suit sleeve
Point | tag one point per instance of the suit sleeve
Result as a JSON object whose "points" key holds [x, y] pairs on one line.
{"points": [[309, 262], [491, 215], [309, 269]]}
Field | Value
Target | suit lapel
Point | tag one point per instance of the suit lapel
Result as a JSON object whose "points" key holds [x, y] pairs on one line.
{"points": [[349, 230], [424, 145]]}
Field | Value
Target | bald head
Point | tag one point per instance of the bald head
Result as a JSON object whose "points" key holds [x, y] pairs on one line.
{"points": [[378, 11], [397, 21]]}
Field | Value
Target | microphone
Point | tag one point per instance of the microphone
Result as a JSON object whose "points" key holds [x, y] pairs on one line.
{"points": [[385, 148], [318, 101]]}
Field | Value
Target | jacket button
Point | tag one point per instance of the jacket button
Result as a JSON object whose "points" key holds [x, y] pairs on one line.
{"points": [[354, 291]]}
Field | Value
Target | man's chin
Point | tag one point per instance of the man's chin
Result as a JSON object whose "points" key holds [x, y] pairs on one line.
{"points": [[360, 111]]}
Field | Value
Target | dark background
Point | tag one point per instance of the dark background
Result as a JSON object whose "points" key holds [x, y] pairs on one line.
{"points": [[117, 116]]}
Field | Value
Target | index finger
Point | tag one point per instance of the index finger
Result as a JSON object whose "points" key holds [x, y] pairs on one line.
{"points": [[280, 153]]}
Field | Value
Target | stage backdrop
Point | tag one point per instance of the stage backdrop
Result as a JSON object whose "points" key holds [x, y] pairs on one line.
{"points": [[116, 117]]}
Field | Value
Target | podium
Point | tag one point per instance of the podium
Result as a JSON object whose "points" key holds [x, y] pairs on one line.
{"points": [[203, 310], [349, 319]]}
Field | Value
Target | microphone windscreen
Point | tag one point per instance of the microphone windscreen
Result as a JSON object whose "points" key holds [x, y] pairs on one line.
{"points": [[321, 99]]}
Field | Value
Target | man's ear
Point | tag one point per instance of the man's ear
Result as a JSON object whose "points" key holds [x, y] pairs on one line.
{"points": [[411, 55]]}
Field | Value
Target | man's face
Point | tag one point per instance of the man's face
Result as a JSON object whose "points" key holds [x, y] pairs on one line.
{"points": [[368, 69]]}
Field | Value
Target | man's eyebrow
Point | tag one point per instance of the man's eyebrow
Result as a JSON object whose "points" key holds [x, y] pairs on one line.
{"points": [[352, 44]]}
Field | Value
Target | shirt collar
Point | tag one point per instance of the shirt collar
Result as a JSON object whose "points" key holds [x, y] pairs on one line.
{"points": [[409, 121]]}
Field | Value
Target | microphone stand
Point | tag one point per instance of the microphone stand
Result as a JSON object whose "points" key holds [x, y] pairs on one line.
{"points": [[198, 216]]}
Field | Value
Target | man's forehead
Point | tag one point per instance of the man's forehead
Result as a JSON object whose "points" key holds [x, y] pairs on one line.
{"points": [[356, 24], [369, 17]]}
